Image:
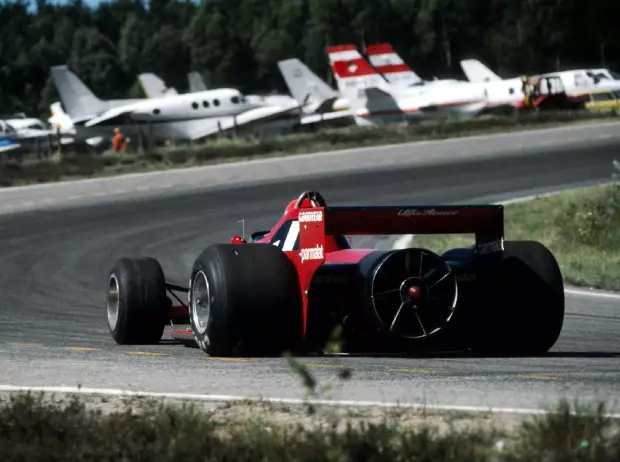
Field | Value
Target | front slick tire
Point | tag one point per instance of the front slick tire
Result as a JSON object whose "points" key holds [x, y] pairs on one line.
{"points": [[137, 305], [523, 311], [245, 301]]}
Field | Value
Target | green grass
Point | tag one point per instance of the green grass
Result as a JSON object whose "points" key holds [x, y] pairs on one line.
{"points": [[35, 429], [85, 165], [581, 227]]}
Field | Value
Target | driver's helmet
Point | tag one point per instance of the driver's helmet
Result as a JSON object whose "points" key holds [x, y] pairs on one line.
{"points": [[305, 203]]}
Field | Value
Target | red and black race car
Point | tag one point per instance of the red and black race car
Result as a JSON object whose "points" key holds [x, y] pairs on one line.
{"points": [[289, 288]]}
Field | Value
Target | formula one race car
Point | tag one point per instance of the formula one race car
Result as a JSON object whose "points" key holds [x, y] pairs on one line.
{"points": [[289, 288]]}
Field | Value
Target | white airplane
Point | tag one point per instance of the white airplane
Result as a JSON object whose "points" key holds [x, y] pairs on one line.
{"points": [[154, 86], [29, 133], [28, 127], [23, 123], [374, 100], [578, 82], [500, 93], [573, 83], [317, 100], [190, 116]]}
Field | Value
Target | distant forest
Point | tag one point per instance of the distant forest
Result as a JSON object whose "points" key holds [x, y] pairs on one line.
{"points": [[238, 42]]}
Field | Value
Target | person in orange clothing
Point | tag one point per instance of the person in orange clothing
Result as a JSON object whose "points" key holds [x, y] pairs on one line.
{"points": [[118, 142]]}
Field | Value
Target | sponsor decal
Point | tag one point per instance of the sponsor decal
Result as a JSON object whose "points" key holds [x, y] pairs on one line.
{"points": [[490, 247], [315, 253], [426, 213], [311, 217]]}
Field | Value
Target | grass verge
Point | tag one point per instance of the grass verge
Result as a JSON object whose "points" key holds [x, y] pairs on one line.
{"points": [[34, 428], [85, 165], [581, 227]]}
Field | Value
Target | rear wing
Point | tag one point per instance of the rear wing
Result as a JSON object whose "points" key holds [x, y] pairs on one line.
{"points": [[486, 222]]}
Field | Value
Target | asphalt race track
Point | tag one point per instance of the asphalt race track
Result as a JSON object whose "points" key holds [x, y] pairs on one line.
{"points": [[54, 264]]}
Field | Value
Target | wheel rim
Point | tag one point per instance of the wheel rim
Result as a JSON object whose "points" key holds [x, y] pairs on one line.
{"points": [[201, 302], [113, 302], [414, 293]]}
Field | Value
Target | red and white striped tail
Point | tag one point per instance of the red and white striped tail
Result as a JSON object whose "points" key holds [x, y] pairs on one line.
{"points": [[351, 69], [383, 57]]}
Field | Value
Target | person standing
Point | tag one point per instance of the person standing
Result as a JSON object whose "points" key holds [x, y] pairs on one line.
{"points": [[118, 141]]}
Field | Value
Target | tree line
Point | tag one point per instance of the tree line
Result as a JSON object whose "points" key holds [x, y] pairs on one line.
{"points": [[238, 42]]}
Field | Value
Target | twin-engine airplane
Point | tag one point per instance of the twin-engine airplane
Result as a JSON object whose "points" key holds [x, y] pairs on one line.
{"points": [[189, 116]]}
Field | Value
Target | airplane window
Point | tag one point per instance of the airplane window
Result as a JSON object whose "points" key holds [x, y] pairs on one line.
{"points": [[216, 102], [235, 100], [195, 105], [511, 91], [156, 111], [205, 104]]}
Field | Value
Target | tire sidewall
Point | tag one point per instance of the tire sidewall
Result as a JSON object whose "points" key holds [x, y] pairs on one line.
{"points": [[525, 314], [142, 301], [255, 303], [221, 336]]}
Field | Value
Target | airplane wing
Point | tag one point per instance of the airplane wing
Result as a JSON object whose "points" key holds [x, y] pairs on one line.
{"points": [[326, 117], [110, 114], [251, 117]]}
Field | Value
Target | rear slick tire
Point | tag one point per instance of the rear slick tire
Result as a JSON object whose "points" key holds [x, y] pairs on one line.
{"points": [[137, 306], [245, 300], [523, 307]]}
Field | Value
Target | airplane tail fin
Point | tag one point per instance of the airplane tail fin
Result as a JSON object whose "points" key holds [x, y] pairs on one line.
{"points": [[478, 72], [79, 101], [356, 78], [196, 83], [305, 86], [383, 57], [153, 86]]}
